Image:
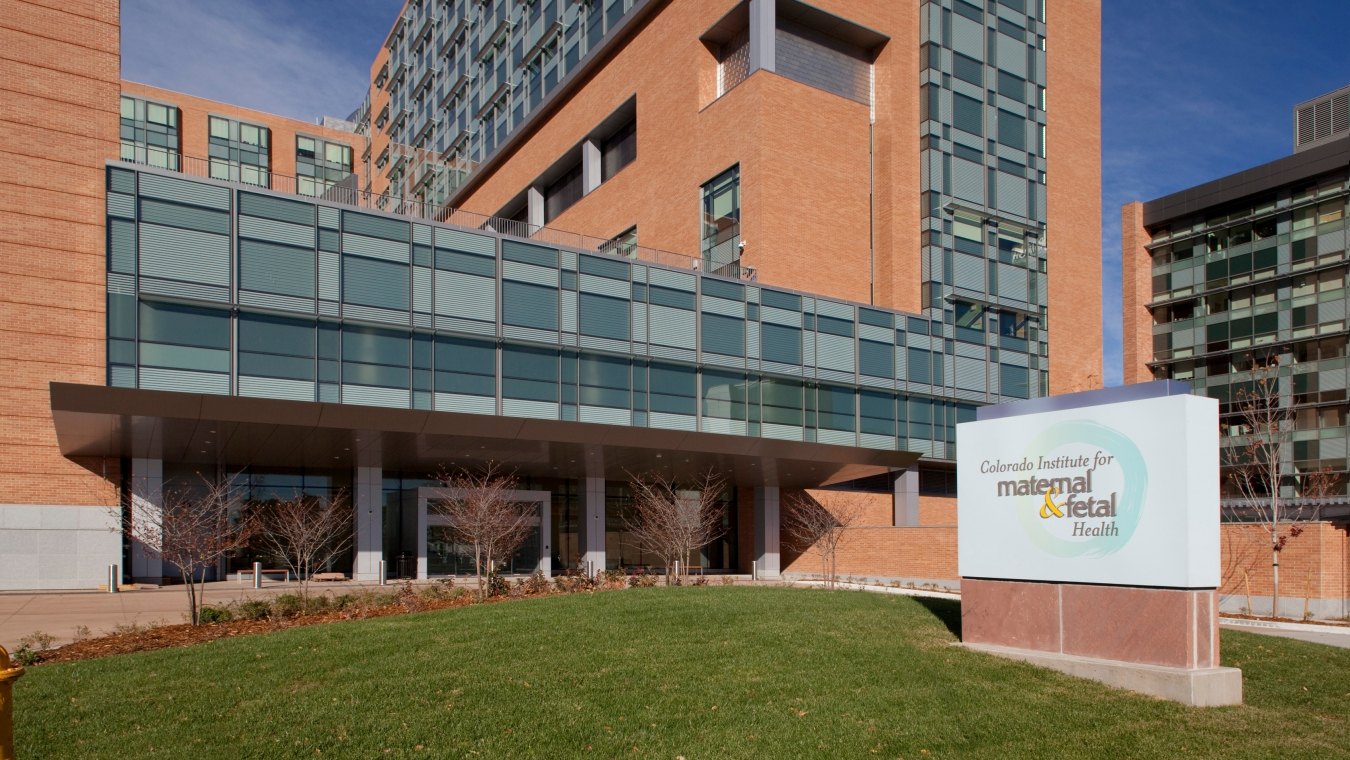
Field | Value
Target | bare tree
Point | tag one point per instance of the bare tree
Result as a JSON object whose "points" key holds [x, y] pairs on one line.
{"points": [[810, 524], [672, 520], [194, 528], [481, 512], [1255, 470], [305, 532]]}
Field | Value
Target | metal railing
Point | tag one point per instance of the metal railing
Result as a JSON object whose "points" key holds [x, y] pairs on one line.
{"points": [[347, 195]]}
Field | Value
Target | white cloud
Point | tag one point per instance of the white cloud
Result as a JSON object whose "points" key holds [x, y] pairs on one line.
{"points": [[245, 52]]}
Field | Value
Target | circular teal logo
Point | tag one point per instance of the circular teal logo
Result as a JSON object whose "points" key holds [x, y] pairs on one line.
{"points": [[1087, 491]]}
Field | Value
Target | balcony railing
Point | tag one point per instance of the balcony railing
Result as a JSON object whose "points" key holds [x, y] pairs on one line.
{"points": [[346, 194]]}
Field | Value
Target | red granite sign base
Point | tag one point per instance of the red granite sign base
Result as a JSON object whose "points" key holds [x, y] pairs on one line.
{"points": [[1163, 642]]}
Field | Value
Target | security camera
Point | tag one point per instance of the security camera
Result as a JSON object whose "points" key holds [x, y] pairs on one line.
{"points": [[741, 245]]}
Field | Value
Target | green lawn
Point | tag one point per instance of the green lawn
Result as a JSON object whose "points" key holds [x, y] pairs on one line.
{"points": [[661, 673]]}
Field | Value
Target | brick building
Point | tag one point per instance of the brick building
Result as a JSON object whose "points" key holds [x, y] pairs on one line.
{"points": [[794, 243]]}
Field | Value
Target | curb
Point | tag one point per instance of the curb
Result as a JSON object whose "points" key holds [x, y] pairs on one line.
{"points": [[1343, 630], [881, 589]]}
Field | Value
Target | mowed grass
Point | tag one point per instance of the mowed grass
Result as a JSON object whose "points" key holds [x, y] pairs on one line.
{"points": [[659, 673]]}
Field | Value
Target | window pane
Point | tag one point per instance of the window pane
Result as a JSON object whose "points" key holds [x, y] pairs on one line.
{"points": [[967, 114]]}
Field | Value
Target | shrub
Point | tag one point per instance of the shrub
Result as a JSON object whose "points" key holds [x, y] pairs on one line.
{"points": [[26, 656], [210, 614], [252, 609], [288, 605], [537, 583], [497, 585], [439, 592], [81, 633], [700, 580], [38, 641], [318, 604], [642, 579], [346, 601], [727, 580]]}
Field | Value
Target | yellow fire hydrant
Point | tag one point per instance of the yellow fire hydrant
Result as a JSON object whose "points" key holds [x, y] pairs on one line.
{"points": [[9, 673]]}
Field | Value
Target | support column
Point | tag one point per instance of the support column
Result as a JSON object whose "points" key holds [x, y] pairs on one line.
{"points": [[593, 524], [906, 499], [591, 170], [546, 537], [147, 501], [763, 35], [534, 208], [369, 491], [767, 531]]}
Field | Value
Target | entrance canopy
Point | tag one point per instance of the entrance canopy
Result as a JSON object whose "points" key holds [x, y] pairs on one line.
{"points": [[98, 422]]}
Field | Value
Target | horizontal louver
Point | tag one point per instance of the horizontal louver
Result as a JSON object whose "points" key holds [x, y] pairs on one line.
{"points": [[183, 191], [179, 254], [276, 232]]}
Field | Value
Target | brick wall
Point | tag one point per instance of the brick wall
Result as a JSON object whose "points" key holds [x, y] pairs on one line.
{"points": [[1136, 278], [60, 120], [1313, 564], [1073, 202], [803, 157], [883, 552]]}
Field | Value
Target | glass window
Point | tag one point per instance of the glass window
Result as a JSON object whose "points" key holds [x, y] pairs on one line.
{"points": [[724, 395], [465, 366], [722, 219], [673, 389], [1012, 130], [723, 335], [967, 114], [531, 374], [618, 150], [968, 69], [605, 381], [276, 347], [782, 401], [969, 316], [836, 408], [1012, 86], [877, 413], [780, 343], [376, 357], [562, 193], [603, 316], [220, 128]]}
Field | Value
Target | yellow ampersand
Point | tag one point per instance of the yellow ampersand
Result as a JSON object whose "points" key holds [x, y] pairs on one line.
{"points": [[1049, 506]]}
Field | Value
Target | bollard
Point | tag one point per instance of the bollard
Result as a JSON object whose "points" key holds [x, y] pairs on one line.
{"points": [[384, 576], [9, 673], [257, 575], [677, 569], [754, 569], [113, 578]]}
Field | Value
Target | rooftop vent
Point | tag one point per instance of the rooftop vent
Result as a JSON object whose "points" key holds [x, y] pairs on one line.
{"points": [[1322, 119]]}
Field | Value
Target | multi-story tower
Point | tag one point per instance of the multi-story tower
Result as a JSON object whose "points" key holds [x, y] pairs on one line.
{"points": [[1249, 271], [793, 243]]}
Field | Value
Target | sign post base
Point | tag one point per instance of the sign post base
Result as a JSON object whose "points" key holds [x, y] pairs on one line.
{"points": [[1157, 641]]}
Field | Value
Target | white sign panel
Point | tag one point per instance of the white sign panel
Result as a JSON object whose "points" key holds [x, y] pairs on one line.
{"points": [[1119, 493]]}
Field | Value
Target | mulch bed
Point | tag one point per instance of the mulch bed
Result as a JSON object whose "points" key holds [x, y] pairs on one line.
{"points": [[184, 634]]}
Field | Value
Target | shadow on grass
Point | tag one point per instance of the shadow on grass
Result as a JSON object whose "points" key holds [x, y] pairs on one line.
{"points": [[946, 610]]}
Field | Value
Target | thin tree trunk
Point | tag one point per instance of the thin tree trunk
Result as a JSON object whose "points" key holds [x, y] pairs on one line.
{"points": [[1275, 581]]}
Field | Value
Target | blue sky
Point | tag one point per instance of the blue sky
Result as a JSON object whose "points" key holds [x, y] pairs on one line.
{"points": [[1192, 90]]}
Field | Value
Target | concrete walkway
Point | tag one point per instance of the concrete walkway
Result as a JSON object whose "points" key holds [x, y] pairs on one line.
{"points": [[1330, 635], [61, 613]]}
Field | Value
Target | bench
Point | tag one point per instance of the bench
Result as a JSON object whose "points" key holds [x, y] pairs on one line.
{"points": [[281, 571], [321, 577]]}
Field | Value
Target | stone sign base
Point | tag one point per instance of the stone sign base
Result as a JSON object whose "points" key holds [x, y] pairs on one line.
{"points": [[1163, 642], [1206, 687]]}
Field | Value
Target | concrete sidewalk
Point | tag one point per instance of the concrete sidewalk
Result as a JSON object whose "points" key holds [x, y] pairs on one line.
{"points": [[60, 613]]}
